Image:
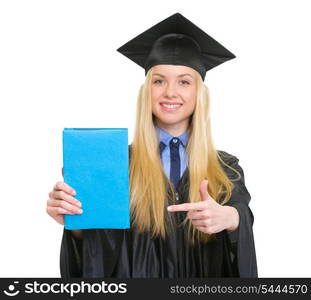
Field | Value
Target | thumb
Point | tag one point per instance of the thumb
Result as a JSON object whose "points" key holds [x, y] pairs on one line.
{"points": [[203, 190]]}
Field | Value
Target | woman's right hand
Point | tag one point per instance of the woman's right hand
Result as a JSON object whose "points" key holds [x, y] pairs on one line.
{"points": [[61, 201]]}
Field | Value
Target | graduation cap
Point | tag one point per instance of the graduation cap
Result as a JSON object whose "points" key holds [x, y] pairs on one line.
{"points": [[176, 41]]}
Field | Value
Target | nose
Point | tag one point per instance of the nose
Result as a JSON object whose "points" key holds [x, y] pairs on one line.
{"points": [[170, 91]]}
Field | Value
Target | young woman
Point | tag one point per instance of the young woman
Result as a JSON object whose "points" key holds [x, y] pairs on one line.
{"points": [[189, 204]]}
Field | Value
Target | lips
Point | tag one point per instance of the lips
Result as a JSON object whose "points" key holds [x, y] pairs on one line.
{"points": [[170, 106], [170, 103]]}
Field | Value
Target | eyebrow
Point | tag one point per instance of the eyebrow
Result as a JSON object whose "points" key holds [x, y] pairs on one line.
{"points": [[181, 75]]}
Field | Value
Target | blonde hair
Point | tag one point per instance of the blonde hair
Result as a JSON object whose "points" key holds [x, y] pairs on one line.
{"points": [[149, 187]]}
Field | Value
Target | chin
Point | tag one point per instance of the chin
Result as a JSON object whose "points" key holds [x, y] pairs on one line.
{"points": [[170, 121]]}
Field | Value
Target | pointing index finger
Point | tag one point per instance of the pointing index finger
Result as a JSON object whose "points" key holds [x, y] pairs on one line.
{"points": [[187, 206]]}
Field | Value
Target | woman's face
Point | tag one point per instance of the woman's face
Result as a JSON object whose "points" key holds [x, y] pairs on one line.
{"points": [[173, 94]]}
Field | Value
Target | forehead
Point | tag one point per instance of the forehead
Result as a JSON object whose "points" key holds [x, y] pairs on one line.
{"points": [[173, 70]]}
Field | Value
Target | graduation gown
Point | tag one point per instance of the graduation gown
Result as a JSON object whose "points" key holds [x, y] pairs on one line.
{"points": [[125, 253]]}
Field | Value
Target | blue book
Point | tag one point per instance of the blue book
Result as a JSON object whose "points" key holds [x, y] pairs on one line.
{"points": [[95, 162]]}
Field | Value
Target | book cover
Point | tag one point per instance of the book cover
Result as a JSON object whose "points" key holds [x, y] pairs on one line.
{"points": [[96, 163]]}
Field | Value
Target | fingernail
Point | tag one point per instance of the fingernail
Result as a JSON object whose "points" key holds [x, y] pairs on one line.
{"points": [[80, 211], [74, 192], [79, 203], [169, 208]]}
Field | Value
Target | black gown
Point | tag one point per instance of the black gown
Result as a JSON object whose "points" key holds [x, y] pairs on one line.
{"points": [[125, 253]]}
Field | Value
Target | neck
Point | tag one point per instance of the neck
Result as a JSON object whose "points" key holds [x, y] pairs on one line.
{"points": [[174, 129]]}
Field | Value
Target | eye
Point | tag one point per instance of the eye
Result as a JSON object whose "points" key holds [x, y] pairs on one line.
{"points": [[184, 82], [158, 80]]}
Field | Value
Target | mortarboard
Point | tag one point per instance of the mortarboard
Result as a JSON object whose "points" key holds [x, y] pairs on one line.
{"points": [[176, 41]]}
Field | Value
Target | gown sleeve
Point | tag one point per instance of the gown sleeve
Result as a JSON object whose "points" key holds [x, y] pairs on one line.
{"points": [[70, 256], [243, 252]]}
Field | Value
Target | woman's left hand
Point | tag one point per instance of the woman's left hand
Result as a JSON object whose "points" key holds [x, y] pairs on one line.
{"points": [[207, 215]]}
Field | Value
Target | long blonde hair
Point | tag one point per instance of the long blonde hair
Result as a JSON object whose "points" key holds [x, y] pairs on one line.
{"points": [[149, 185]]}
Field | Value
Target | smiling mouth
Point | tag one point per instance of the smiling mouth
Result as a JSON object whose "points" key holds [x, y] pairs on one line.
{"points": [[166, 107], [170, 105]]}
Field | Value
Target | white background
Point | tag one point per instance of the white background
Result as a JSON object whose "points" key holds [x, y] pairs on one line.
{"points": [[59, 68]]}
